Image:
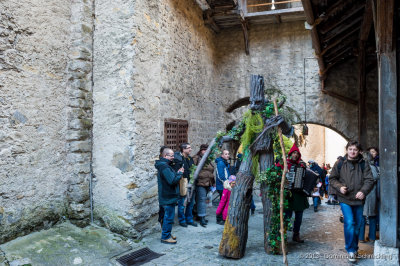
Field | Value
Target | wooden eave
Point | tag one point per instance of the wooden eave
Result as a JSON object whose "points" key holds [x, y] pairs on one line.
{"points": [[337, 27]]}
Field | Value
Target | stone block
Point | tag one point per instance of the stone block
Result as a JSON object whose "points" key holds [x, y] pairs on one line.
{"points": [[76, 93], [77, 135], [80, 103], [81, 168], [80, 123], [81, 53], [385, 255], [74, 158], [80, 65], [78, 193], [80, 146]]}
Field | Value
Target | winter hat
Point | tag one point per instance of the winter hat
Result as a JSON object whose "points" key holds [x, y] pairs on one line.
{"points": [[232, 178], [203, 147], [311, 161]]}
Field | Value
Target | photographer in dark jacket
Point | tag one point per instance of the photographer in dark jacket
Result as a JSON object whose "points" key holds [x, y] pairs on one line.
{"points": [[182, 159], [352, 179], [168, 192]]}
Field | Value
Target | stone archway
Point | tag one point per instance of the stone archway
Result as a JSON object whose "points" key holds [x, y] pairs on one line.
{"points": [[322, 144]]}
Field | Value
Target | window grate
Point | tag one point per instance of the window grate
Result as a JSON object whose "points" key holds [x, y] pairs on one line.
{"points": [[175, 133], [138, 257]]}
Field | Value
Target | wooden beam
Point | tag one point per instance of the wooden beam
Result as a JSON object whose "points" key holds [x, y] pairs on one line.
{"points": [[324, 74], [340, 40], [388, 146], [385, 25], [362, 92], [276, 12], [373, 5], [277, 19], [308, 12], [275, 3], [349, 42], [224, 13], [337, 7], [367, 22], [340, 97], [314, 33], [341, 29], [326, 27], [371, 66], [362, 73], [338, 54], [388, 122], [210, 22], [245, 35]]}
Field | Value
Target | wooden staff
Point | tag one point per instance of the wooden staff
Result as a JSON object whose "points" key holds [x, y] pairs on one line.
{"points": [[199, 167], [282, 188]]}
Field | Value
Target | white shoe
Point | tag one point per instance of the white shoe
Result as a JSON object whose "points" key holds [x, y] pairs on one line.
{"points": [[352, 257]]}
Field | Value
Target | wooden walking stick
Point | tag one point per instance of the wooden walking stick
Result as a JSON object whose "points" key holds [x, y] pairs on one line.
{"points": [[282, 188], [199, 167]]}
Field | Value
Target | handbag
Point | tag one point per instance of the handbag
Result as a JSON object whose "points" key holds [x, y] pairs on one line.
{"points": [[183, 186]]}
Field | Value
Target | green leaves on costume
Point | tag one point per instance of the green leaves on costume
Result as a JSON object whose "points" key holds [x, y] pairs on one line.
{"points": [[254, 124], [272, 178]]}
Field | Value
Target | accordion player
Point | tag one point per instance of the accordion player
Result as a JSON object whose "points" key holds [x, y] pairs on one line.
{"points": [[301, 179]]}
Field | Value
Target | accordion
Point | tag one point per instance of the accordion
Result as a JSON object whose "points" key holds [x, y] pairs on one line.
{"points": [[301, 179]]}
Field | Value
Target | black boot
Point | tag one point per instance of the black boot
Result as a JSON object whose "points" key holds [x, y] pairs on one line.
{"points": [[203, 221], [222, 222], [296, 238], [219, 218]]}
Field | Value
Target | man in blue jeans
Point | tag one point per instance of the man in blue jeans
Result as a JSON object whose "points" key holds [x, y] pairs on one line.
{"points": [[183, 159], [352, 178], [168, 193]]}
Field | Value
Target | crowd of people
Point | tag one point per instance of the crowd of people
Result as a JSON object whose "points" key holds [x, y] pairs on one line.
{"points": [[174, 188], [352, 183]]}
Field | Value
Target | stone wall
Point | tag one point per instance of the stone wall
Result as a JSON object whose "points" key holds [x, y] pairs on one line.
{"points": [[343, 79], [113, 117], [87, 85], [34, 45], [152, 61], [281, 52]]}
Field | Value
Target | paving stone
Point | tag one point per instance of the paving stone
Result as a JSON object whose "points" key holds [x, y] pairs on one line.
{"points": [[322, 232]]}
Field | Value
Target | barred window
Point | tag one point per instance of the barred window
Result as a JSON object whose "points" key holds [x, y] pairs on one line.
{"points": [[175, 133]]}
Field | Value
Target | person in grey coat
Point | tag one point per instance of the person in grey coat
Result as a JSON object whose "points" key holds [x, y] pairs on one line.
{"points": [[371, 203]]}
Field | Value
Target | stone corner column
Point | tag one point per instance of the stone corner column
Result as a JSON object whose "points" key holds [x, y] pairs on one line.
{"points": [[384, 255], [80, 112]]}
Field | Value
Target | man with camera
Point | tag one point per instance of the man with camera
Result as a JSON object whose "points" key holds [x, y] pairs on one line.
{"points": [[168, 192], [183, 159]]}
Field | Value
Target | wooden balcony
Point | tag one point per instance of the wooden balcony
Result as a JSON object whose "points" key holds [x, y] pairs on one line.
{"points": [[221, 14]]}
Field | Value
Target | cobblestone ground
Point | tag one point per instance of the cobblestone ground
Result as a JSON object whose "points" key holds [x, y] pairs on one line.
{"points": [[66, 244], [322, 232]]}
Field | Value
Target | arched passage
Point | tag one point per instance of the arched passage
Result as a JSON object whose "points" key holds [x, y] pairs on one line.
{"points": [[322, 144]]}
